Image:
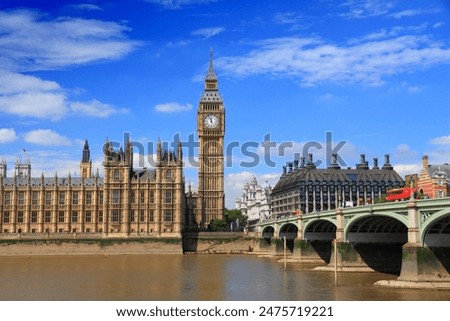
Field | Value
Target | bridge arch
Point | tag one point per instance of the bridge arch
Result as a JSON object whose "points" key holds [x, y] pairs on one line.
{"points": [[290, 232], [382, 227], [378, 239], [435, 234], [323, 229], [267, 235], [435, 230], [268, 232]]}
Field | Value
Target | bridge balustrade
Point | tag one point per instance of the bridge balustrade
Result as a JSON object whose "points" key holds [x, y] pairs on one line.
{"points": [[414, 228]]}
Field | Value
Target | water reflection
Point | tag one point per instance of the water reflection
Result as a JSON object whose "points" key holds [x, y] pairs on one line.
{"points": [[190, 277]]}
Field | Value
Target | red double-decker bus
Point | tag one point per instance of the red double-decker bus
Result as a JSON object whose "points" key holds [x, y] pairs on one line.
{"points": [[400, 194]]}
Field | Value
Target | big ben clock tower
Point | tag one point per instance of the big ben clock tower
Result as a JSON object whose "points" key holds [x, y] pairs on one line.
{"points": [[211, 131]]}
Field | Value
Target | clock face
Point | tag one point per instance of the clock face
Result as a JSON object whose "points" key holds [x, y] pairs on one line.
{"points": [[211, 121]]}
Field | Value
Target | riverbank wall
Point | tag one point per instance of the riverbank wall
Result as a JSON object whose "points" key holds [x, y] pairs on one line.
{"points": [[219, 243], [194, 243]]}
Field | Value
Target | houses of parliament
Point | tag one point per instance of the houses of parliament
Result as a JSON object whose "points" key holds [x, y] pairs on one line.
{"points": [[125, 201]]}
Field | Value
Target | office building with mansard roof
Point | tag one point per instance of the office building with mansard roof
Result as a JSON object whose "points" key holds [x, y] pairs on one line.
{"points": [[306, 188]]}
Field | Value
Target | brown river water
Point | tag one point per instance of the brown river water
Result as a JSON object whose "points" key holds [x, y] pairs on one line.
{"points": [[188, 277]]}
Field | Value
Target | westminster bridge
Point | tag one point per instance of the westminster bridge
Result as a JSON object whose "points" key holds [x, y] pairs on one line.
{"points": [[409, 238]]}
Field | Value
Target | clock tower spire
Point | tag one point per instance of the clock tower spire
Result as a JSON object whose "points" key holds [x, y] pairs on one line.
{"points": [[211, 132]]}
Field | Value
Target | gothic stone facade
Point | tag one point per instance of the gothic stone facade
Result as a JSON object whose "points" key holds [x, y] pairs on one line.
{"points": [[309, 189], [211, 132], [125, 202]]}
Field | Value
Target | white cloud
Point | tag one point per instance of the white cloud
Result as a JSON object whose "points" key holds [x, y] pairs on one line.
{"points": [[293, 19], [403, 148], [32, 97], [42, 105], [29, 41], [207, 32], [86, 6], [407, 169], [405, 153], [287, 18], [13, 83], [172, 107], [46, 137], [439, 156], [443, 140], [177, 4], [328, 97], [414, 89], [413, 12], [95, 108], [29, 96], [358, 9], [312, 60], [7, 135]]}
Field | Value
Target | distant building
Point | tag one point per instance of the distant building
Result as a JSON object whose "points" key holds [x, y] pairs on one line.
{"points": [[255, 202], [309, 189], [434, 180], [125, 202]]}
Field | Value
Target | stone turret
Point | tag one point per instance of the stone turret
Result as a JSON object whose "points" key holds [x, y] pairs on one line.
{"points": [[22, 168], [3, 168], [86, 163]]}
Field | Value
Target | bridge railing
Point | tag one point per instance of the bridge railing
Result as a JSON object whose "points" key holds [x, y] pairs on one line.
{"points": [[444, 201]]}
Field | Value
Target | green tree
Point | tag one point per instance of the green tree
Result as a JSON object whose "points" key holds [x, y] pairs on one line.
{"points": [[228, 217], [218, 225], [234, 215]]}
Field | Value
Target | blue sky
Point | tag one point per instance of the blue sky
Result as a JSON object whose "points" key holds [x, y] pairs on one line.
{"points": [[373, 74]]}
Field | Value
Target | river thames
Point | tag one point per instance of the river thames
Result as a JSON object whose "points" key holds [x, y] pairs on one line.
{"points": [[188, 277]]}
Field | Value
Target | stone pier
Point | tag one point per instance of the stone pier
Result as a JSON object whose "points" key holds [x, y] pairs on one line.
{"points": [[420, 267]]}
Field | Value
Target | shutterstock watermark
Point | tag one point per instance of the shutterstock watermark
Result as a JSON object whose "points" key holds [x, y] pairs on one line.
{"points": [[244, 154]]}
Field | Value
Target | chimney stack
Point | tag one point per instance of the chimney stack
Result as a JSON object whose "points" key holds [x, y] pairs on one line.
{"points": [[310, 163], [425, 162], [363, 164], [387, 165], [302, 162], [334, 163], [375, 163]]}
